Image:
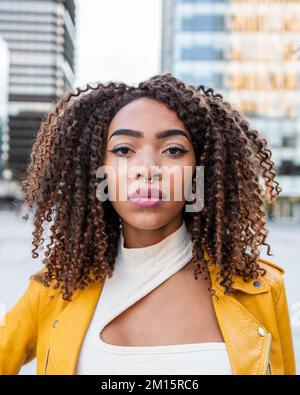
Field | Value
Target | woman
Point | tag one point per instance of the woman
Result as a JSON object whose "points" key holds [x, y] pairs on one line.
{"points": [[147, 284]]}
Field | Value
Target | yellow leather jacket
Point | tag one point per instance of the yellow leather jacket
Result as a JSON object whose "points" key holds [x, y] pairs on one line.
{"points": [[254, 322]]}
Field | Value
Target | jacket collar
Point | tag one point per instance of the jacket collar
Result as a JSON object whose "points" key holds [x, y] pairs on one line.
{"points": [[247, 349], [253, 287]]}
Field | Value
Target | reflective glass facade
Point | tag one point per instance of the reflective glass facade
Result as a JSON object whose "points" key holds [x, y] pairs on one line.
{"points": [[249, 51], [40, 36], [4, 67]]}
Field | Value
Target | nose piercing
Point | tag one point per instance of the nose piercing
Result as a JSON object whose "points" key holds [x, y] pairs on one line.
{"points": [[145, 180], [151, 180]]}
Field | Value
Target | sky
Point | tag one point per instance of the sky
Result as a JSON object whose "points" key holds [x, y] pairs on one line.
{"points": [[117, 40]]}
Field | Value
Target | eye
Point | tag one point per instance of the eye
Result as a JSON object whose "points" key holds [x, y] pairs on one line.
{"points": [[176, 151], [118, 149], [173, 151]]}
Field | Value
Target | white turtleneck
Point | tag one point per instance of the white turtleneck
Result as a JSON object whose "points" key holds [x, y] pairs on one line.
{"points": [[137, 272]]}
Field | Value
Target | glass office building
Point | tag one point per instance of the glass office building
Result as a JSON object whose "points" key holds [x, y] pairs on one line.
{"points": [[249, 51], [4, 67], [40, 36]]}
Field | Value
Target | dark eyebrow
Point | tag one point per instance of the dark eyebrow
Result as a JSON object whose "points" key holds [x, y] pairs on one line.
{"points": [[159, 135]]}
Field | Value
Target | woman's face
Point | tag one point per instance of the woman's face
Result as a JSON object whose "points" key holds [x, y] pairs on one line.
{"points": [[146, 151]]}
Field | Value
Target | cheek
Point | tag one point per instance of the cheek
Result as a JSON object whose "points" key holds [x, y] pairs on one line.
{"points": [[179, 183], [116, 172], [178, 177]]}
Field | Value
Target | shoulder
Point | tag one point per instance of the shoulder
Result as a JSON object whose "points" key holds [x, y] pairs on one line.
{"points": [[37, 279], [48, 299], [274, 275], [52, 294], [272, 265], [44, 293], [273, 270]]}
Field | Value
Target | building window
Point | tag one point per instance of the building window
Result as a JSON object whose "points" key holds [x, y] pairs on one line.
{"points": [[212, 81], [203, 23], [289, 141], [288, 167], [199, 1], [201, 53]]}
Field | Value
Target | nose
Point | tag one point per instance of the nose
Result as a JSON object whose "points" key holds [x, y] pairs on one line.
{"points": [[148, 168], [149, 174], [146, 178]]}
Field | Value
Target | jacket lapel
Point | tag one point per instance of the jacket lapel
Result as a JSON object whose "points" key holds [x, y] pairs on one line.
{"points": [[73, 322], [247, 340]]}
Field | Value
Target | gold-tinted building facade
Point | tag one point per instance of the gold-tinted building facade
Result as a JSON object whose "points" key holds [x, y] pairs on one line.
{"points": [[249, 50]]}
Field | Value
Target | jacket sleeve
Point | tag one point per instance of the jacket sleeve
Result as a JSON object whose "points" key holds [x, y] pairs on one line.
{"points": [[18, 331], [285, 332]]}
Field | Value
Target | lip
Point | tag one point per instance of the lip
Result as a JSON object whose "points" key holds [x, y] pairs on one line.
{"points": [[146, 197], [145, 202], [146, 193]]}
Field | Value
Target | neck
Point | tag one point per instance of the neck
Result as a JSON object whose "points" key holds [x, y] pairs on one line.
{"points": [[175, 249], [139, 238]]}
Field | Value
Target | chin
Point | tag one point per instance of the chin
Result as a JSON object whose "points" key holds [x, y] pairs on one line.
{"points": [[147, 221]]}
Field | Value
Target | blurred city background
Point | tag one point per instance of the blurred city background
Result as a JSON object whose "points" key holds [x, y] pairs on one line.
{"points": [[247, 50]]}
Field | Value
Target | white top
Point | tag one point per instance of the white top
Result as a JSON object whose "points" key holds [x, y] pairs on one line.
{"points": [[137, 272]]}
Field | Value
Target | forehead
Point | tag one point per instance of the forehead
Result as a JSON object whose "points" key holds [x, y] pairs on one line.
{"points": [[145, 114]]}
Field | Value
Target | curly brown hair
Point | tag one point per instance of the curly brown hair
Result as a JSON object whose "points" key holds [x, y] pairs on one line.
{"points": [[61, 183]]}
